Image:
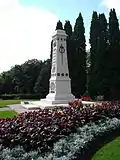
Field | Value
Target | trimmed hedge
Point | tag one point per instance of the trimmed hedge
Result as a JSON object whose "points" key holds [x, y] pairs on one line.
{"points": [[21, 96], [73, 147]]}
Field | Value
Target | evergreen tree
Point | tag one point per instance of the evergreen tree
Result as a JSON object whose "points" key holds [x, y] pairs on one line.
{"points": [[59, 25], [113, 61], [98, 86], [94, 33], [79, 58], [68, 29]]}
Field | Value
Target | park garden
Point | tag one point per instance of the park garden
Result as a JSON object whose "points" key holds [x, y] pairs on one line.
{"points": [[77, 131]]}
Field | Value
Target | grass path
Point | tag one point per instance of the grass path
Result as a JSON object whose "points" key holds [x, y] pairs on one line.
{"points": [[110, 151]]}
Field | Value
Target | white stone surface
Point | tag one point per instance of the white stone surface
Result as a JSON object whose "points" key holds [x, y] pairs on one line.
{"points": [[48, 104], [88, 102], [59, 83]]}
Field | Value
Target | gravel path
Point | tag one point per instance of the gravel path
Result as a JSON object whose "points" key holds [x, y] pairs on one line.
{"points": [[5, 109], [19, 109]]}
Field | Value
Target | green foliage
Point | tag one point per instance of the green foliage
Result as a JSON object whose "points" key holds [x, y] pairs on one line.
{"points": [[94, 33], [20, 80], [98, 64], [70, 48], [42, 83], [79, 58], [113, 58], [68, 29]]}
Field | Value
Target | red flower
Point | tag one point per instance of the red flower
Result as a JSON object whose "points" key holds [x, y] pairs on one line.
{"points": [[61, 124], [86, 98], [75, 102]]}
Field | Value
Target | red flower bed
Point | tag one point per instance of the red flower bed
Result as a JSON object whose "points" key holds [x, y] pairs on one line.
{"points": [[86, 98], [39, 129], [109, 109]]}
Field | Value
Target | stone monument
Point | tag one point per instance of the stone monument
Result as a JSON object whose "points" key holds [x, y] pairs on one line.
{"points": [[59, 83]]}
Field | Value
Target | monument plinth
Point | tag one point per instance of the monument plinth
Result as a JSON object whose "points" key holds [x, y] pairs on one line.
{"points": [[59, 83]]}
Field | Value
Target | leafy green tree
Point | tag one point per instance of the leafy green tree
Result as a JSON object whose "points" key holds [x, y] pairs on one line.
{"points": [[6, 80], [42, 83], [1, 85], [31, 70], [17, 78]]}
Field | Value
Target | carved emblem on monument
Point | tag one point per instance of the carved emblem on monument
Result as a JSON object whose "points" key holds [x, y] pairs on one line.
{"points": [[61, 50], [52, 87]]}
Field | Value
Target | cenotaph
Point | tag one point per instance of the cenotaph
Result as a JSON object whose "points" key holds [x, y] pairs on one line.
{"points": [[60, 82]]}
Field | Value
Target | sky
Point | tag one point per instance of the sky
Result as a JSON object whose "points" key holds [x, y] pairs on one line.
{"points": [[26, 26]]}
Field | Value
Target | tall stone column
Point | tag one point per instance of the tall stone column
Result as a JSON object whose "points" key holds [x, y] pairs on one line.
{"points": [[60, 83]]}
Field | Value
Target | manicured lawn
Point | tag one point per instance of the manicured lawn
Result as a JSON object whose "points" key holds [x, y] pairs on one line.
{"points": [[110, 151], [4, 103], [8, 114]]}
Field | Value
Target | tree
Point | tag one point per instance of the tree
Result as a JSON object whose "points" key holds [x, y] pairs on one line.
{"points": [[113, 59], [70, 48], [68, 29], [59, 25], [42, 83], [31, 70], [79, 58], [2, 84], [6, 82], [98, 73], [17, 78], [94, 34]]}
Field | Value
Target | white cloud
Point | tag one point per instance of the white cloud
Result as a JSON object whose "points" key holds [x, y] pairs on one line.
{"points": [[112, 4], [25, 33]]}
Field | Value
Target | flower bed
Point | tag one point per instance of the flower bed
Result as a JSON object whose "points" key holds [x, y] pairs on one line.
{"points": [[42, 130], [73, 147], [39, 129]]}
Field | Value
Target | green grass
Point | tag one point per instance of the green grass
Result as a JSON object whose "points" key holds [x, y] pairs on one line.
{"points": [[4, 103], [110, 151], [8, 114]]}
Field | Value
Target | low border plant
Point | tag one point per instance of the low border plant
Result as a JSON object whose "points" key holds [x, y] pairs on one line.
{"points": [[75, 146]]}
